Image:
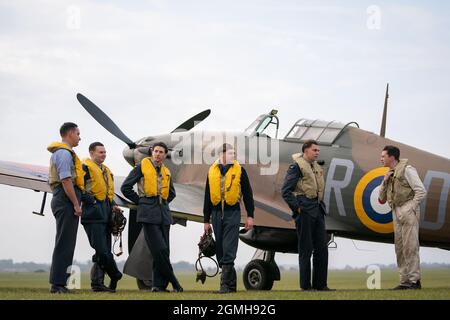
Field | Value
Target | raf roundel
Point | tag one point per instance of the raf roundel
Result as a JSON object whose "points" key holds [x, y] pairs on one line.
{"points": [[371, 212]]}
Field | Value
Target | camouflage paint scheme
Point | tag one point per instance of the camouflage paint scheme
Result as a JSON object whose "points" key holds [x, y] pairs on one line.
{"points": [[274, 228], [349, 161]]}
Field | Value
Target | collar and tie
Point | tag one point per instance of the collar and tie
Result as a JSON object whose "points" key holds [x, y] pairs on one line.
{"points": [[224, 168]]}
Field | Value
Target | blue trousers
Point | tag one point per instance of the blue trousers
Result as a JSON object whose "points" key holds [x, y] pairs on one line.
{"points": [[157, 238], [100, 240], [226, 232], [312, 241], [66, 237]]}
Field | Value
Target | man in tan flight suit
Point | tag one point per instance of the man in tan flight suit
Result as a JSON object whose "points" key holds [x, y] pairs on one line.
{"points": [[404, 191]]}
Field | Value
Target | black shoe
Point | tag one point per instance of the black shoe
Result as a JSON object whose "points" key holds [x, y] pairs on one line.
{"points": [[59, 289], [178, 289], [113, 273], [225, 290], [158, 289], [325, 289], [102, 288], [403, 286], [114, 280], [176, 286], [416, 286], [227, 279], [307, 289]]}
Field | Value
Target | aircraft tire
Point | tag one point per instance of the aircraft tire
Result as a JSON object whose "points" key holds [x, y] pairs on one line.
{"points": [[257, 275]]}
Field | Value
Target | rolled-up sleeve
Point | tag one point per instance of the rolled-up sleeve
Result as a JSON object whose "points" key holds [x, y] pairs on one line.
{"points": [[416, 184], [63, 161]]}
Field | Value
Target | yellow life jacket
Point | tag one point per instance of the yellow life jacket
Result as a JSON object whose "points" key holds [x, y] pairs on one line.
{"points": [[77, 169], [101, 184], [152, 184], [226, 188], [312, 184]]}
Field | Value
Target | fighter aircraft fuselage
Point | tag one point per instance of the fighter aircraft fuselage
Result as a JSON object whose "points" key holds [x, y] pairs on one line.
{"points": [[352, 173]]}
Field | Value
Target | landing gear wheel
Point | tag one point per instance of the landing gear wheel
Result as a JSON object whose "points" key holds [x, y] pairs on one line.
{"points": [[257, 275]]}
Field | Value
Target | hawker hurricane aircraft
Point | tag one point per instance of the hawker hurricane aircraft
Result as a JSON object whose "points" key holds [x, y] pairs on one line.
{"points": [[349, 155]]}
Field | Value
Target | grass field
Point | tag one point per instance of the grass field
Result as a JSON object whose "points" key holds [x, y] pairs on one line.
{"points": [[349, 285]]}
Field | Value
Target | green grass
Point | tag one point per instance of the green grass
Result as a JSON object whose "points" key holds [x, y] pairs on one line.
{"points": [[350, 285]]}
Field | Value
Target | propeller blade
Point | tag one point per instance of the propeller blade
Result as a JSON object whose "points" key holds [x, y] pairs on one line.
{"points": [[192, 122], [104, 120]]}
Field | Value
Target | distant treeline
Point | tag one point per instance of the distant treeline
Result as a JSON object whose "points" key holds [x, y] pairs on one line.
{"points": [[9, 265]]}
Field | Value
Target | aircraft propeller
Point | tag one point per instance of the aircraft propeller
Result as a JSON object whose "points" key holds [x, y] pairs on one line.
{"points": [[109, 125], [104, 120], [192, 122]]}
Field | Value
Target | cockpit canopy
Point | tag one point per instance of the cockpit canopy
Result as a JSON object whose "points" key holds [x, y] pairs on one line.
{"points": [[324, 132], [266, 125]]}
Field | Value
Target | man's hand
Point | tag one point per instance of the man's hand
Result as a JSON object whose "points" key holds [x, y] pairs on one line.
{"points": [[116, 209], [77, 210], [207, 228], [388, 175], [70, 193], [249, 223]]}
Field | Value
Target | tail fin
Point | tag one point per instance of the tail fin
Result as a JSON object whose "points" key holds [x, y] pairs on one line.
{"points": [[383, 122]]}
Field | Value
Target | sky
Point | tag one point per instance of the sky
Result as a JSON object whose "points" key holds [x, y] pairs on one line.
{"points": [[152, 64]]}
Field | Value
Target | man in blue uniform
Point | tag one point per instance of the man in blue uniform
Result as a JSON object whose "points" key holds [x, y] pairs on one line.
{"points": [[98, 205], [155, 192], [303, 191], [66, 179], [226, 182]]}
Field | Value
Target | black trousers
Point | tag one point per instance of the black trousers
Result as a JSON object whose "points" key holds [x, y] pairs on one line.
{"points": [[312, 240], [100, 240], [66, 237], [157, 238]]}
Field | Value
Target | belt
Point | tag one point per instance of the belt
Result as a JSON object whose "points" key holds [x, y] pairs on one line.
{"points": [[158, 199]]}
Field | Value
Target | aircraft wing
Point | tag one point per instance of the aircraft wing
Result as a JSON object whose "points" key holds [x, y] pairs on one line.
{"points": [[24, 176], [269, 214], [187, 205], [33, 177]]}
